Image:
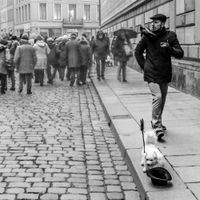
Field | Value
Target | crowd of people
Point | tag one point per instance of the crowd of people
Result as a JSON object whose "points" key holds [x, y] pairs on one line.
{"points": [[33, 57], [36, 56]]}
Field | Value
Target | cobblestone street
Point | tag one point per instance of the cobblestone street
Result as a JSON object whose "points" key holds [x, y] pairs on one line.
{"points": [[56, 144]]}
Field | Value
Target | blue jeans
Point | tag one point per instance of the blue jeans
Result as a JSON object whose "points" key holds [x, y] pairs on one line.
{"points": [[159, 94]]}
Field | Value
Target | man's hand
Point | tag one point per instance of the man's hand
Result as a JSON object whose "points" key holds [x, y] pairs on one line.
{"points": [[165, 44]]}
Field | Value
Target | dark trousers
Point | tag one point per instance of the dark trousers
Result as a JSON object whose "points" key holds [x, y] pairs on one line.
{"points": [[3, 82], [48, 71], [26, 77], [39, 76], [83, 73], [55, 69], [68, 74], [11, 75], [122, 67], [100, 67], [72, 72], [62, 72]]}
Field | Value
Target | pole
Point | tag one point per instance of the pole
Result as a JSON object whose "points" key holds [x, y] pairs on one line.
{"points": [[99, 13]]}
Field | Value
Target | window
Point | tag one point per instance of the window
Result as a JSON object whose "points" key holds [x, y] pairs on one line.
{"points": [[86, 13], [29, 12], [26, 13], [17, 19], [98, 12], [22, 14], [57, 11], [72, 12], [43, 11]]}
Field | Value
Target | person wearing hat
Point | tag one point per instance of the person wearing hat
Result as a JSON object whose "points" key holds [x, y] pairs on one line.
{"points": [[24, 61], [11, 71], [52, 58], [62, 60], [100, 49], [73, 59], [160, 45]]}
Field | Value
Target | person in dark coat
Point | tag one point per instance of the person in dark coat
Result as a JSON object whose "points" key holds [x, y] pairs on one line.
{"points": [[62, 59], [52, 59], [73, 59], [100, 49], [118, 49], [87, 59], [3, 69], [11, 71], [160, 44]]}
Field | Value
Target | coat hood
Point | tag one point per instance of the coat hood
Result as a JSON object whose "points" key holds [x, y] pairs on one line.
{"points": [[99, 33], [84, 42], [41, 43]]}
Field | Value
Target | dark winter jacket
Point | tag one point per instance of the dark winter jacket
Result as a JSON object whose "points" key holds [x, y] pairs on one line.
{"points": [[53, 56], [3, 69], [118, 50], [100, 47], [157, 65], [73, 54], [86, 53], [62, 58]]}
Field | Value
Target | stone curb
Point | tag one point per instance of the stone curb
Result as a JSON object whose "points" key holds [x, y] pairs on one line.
{"points": [[128, 136]]}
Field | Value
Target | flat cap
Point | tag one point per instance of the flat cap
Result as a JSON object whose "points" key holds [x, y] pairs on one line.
{"points": [[159, 16]]}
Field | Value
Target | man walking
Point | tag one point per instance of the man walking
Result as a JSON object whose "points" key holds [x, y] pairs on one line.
{"points": [[100, 49], [160, 45], [73, 59]]}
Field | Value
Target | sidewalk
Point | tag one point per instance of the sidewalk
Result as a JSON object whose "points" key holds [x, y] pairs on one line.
{"points": [[125, 104]]}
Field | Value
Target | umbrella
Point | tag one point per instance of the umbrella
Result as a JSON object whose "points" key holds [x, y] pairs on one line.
{"points": [[129, 32]]}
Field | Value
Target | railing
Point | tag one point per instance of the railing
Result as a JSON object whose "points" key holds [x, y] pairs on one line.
{"points": [[73, 22]]}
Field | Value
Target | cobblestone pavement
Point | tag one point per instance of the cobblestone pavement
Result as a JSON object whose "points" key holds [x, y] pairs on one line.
{"points": [[56, 144]]}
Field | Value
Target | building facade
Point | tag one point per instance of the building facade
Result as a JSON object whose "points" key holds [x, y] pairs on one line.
{"points": [[50, 17], [183, 17]]}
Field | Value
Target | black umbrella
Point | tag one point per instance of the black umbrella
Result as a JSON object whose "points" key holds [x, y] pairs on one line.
{"points": [[129, 32]]}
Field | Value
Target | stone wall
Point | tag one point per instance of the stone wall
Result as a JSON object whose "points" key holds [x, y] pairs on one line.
{"points": [[185, 75]]}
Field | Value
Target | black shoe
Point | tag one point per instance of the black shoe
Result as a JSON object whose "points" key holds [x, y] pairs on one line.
{"points": [[164, 128], [12, 88], [3, 92], [84, 83], [159, 134], [29, 92], [125, 81], [41, 84], [103, 78], [20, 91], [98, 79]]}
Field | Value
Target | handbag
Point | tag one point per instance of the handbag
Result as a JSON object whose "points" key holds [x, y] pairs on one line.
{"points": [[128, 50]]}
